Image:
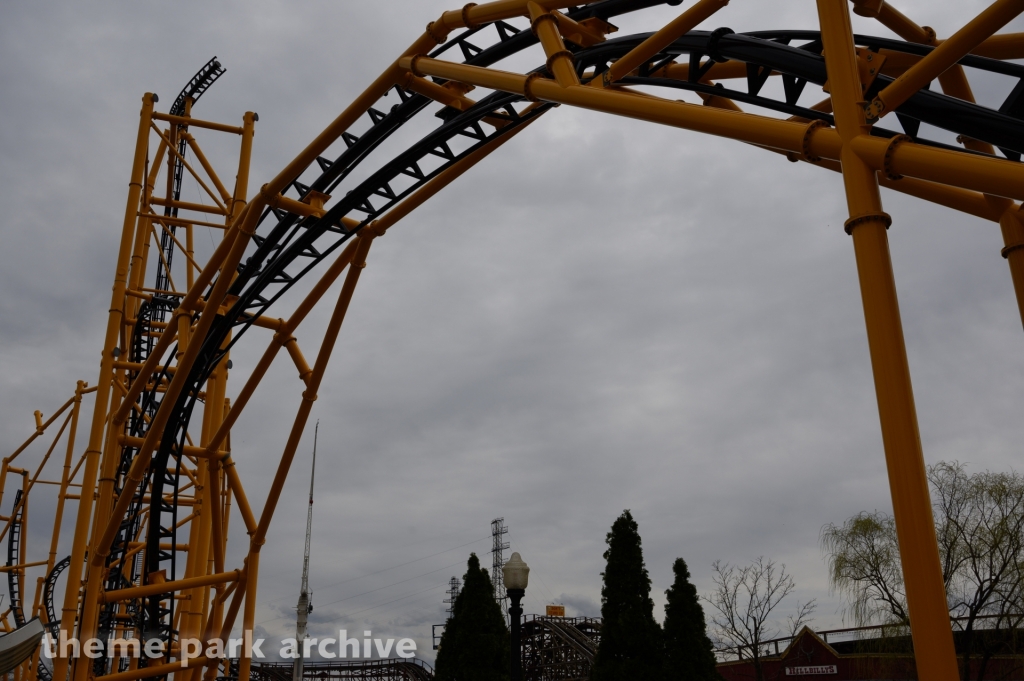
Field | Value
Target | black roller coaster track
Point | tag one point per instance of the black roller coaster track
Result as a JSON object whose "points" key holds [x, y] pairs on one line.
{"points": [[286, 246], [52, 621], [14, 558], [122, 572]]}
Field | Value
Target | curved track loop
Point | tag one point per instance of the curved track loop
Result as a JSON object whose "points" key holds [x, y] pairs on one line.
{"points": [[362, 184], [52, 621], [287, 246], [124, 569], [16, 576]]}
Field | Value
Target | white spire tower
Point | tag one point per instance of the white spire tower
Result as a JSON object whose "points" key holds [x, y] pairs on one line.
{"points": [[304, 607]]}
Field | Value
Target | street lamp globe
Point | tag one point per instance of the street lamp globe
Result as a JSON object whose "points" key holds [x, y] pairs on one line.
{"points": [[516, 573]]}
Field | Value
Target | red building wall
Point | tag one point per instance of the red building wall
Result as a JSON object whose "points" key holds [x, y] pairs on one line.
{"points": [[810, 658]]}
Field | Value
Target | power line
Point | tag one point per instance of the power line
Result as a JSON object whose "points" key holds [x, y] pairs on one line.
{"points": [[381, 605], [380, 588], [387, 569]]}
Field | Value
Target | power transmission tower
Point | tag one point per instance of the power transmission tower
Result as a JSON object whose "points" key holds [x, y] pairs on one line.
{"points": [[304, 607], [498, 532], [454, 587]]}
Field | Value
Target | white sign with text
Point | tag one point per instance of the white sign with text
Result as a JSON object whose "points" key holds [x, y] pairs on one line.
{"points": [[807, 671]]}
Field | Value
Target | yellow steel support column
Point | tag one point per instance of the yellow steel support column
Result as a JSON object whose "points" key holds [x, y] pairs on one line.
{"points": [[560, 62], [109, 513], [103, 385], [244, 159], [65, 477], [954, 83], [1013, 237], [908, 482]]}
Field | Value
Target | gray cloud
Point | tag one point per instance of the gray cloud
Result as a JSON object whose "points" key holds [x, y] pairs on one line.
{"points": [[603, 315]]}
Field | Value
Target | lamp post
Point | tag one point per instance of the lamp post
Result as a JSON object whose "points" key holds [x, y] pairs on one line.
{"points": [[516, 574]]}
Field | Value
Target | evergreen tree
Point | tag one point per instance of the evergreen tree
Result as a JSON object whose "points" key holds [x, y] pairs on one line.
{"points": [[689, 654], [631, 641], [475, 643]]}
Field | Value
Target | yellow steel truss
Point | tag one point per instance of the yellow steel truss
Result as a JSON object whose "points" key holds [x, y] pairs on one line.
{"points": [[210, 596]]}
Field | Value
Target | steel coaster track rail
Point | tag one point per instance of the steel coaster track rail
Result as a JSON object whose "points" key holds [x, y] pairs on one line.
{"points": [[287, 246], [265, 276], [14, 558], [122, 573], [52, 621], [293, 236], [160, 483]]}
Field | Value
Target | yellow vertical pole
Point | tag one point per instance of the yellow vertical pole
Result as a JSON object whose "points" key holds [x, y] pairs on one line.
{"points": [[190, 275], [244, 159], [195, 599], [65, 477], [3, 476], [1013, 237], [111, 509], [103, 389], [908, 482], [140, 250]]}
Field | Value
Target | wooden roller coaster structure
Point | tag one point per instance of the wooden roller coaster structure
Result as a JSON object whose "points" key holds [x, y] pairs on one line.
{"points": [[155, 484]]}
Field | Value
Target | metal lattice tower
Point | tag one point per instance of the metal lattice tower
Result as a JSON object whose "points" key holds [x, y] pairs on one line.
{"points": [[454, 588], [304, 607], [498, 545]]}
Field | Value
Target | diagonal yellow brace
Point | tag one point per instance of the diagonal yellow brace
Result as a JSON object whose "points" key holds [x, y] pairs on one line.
{"points": [[944, 56], [668, 34]]}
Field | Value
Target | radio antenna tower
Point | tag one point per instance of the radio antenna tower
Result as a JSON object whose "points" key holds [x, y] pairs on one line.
{"points": [[304, 606], [498, 532]]}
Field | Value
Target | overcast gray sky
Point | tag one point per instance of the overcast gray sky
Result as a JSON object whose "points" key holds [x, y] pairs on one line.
{"points": [[603, 315]]}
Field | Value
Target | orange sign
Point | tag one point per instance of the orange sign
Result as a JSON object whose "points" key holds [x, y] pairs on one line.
{"points": [[555, 611]]}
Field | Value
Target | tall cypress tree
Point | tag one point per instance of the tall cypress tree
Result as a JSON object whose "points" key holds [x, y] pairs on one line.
{"points": [[631, 644], [689, 654], [475, 643]]}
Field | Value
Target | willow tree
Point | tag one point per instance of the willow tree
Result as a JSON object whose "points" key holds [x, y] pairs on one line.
{"points": [[979, 523]]}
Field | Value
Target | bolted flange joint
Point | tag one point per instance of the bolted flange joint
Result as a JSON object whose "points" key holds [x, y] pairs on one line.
{"points": [[890, 149], [868, 217], [1011, 248]]}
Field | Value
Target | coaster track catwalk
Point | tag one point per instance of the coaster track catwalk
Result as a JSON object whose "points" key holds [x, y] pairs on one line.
{"points": [[157, 478]]}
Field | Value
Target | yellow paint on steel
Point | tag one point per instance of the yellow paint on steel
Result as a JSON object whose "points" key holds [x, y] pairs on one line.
{"points": [[103, 392], [168, 587], [979, 173], [661, 39], [196, 123], [908, 481], [560, 61], [944, 56], [207, 166], [186, 205], [894, 20], [174, 155], [209, 604]]}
